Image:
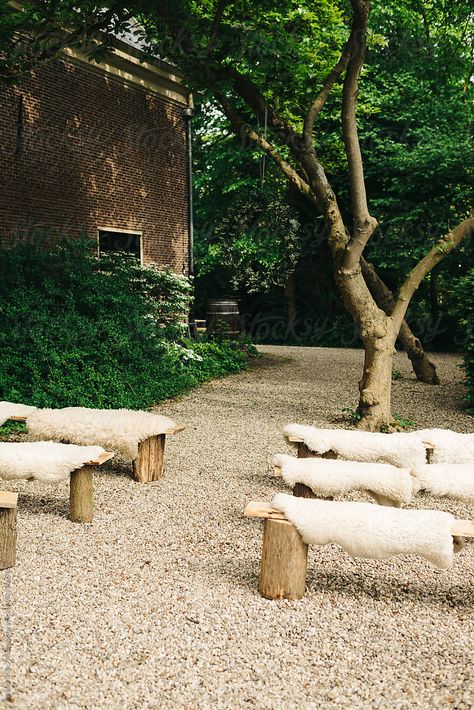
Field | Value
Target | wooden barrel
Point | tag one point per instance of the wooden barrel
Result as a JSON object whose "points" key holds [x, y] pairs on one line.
{"points": [[223, 317]]}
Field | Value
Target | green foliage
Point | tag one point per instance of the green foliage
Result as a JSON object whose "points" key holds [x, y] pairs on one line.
{"points": [[464, 292], [417, 144], [399, 421], [34, 32], [77, 330], [353, 415], [246, 235], [12, 429], [396, 375], [414, 118], [402, 422]]}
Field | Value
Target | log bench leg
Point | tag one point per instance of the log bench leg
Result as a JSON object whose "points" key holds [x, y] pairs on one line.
{"points": [[305, 453], [284, 561], [302, 491], [81, 497], [148, 466], [7, 537]]}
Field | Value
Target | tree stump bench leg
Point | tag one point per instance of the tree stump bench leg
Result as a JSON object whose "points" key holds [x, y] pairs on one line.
{"points": [[305, 453], [284, 561], [300, 490], [81, 495], [8, 509], [149, 464]]}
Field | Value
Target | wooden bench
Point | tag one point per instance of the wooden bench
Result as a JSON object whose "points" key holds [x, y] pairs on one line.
{"points": [[81, 490], [300, 489], [303, 452], [8, 508], [285, 556], [149, 464]]}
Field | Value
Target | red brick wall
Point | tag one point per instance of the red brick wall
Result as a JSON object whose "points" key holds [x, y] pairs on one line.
{"points": [[94, 153]]}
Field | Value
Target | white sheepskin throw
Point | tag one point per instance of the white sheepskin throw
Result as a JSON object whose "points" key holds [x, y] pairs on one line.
{"points": [[372, 531], [10, 409], [448, 446], [388, 484], [455, 480], [119, 430], [44, 460], [397, 449]]}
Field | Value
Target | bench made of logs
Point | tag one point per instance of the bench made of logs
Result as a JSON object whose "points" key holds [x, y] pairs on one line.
{"points": [[81, 490], [284, 560], [149, 464], [301, 490], [8, 508], [303, 452]]}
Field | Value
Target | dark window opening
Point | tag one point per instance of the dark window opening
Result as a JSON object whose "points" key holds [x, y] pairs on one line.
{"points": [[120, 241]]}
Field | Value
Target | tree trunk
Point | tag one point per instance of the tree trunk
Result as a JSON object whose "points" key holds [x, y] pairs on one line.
{"points": [[375, 387], [423, 368]]}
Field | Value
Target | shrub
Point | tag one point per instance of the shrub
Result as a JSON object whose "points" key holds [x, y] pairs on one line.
{"points": [[78, 330], [464, 292]]}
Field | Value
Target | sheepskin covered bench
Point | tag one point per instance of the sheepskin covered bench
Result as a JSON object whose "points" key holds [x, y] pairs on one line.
{"points": [[138, 436], [326, 478], [8, 508], [361, 529], [453, 480], [388, 485], [405, 450], [402, 450], [51, 462], [446, 446], [15, 412]]}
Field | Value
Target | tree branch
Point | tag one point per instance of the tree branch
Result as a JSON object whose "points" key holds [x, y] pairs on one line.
{"points": [[445, 246], [49, 38], [255, 100], [363, 224], [241, 128], [221, 6], [320, 99]]}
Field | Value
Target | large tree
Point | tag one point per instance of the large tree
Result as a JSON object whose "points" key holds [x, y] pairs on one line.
{"points": [[230, 50]]}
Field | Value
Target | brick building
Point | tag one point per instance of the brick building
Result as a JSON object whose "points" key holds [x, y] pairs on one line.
{"points": [[101, 150]]}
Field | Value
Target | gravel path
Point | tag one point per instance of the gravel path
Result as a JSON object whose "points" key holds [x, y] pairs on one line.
{"points": [[155, 605]]}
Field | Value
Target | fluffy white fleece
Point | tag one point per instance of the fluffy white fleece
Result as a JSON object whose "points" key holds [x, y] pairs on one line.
{"points": [[366, 530], [10, 409], [448, 446], [388, 484], [399, 450], [44, 460], [455, 480], [118, 430]]}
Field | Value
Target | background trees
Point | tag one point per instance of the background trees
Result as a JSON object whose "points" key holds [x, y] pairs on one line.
{"points": [[414, 112], [277, 68]]}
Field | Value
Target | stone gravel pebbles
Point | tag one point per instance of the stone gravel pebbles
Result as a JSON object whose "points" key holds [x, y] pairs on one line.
{"points": [[155, 605]]}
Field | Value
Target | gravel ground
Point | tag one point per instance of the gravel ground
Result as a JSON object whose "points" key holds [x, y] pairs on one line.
{"points": [[155, 605]]}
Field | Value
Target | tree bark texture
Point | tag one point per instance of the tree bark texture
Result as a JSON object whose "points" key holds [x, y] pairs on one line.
{"points": [[424, 369]]}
